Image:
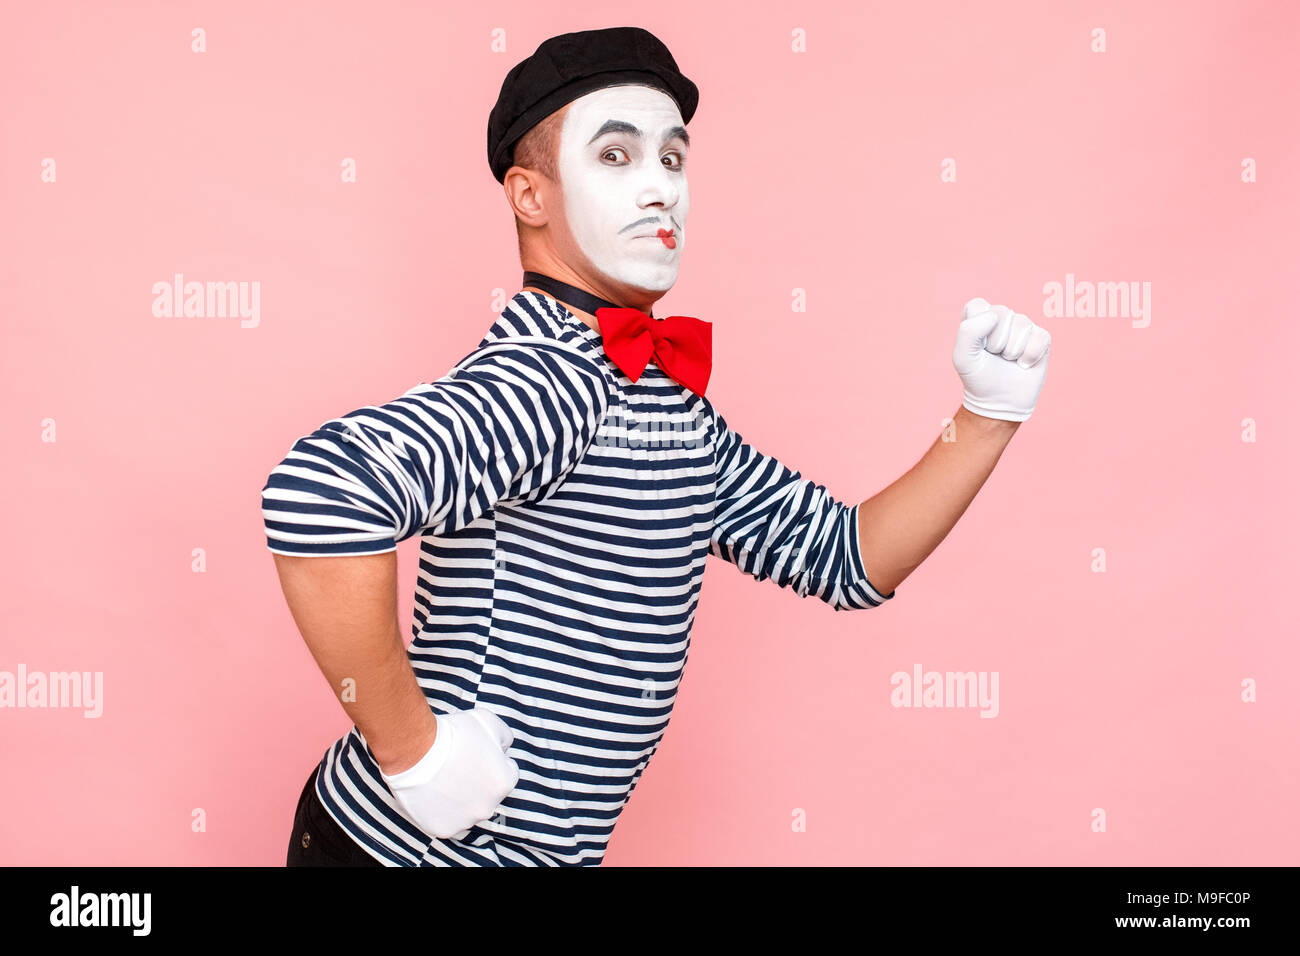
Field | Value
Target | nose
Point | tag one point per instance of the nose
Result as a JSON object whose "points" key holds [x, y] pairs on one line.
{"points": [[659, 188]]}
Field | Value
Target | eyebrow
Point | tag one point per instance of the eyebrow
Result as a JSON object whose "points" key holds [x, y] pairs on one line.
{"points": [[619, 126]]}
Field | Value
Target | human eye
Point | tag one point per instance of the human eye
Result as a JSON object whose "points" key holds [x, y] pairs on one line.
{"points": [[613, 149], [681, 160]]}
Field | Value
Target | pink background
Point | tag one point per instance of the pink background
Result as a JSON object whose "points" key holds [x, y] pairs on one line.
{"points": [[817, 171]]}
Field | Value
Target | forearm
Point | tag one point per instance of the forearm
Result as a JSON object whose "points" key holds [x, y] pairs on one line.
{"points": [[899, 527], [346, 611]]}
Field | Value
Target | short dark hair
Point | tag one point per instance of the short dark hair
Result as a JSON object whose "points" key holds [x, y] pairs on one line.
{"points": [[539, 148]]}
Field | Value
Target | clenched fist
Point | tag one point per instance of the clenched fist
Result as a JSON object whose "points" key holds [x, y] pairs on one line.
{"points": [[1002, 359], [462, 779]]}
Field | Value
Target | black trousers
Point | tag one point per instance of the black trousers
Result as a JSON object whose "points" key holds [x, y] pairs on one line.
{"points": [[317, 840]]}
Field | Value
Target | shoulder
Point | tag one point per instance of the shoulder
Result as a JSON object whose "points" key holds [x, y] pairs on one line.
{"points": [[534, 324], [530, 320], [534, 340]]}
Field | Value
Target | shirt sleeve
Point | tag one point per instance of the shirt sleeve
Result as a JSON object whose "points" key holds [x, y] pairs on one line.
{"points": [[772, 523], [506, 422]]}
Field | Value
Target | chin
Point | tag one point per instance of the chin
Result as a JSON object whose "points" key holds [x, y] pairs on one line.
{"points": [[649, 278]]}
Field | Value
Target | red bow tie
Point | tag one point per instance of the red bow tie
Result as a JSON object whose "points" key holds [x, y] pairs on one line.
{"points": [[680, 345]]}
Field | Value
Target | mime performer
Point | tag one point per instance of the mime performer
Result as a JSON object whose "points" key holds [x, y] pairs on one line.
{"points": [[568, 478]]}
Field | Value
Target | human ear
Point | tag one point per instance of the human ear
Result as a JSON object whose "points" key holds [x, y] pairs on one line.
{"points": [[526, 199]]}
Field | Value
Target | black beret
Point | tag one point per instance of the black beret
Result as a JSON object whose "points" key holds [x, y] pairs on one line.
{"points": [[571, 65]]}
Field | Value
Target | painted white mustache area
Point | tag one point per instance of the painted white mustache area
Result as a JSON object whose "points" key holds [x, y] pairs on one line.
{"points": [[622, 166], [666, 236]]}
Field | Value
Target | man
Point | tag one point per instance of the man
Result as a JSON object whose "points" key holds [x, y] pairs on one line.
{"points": [[569, 480]]}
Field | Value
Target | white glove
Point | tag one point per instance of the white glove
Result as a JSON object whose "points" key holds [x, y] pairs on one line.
{"points": [[462, 779], [1002, 359]]}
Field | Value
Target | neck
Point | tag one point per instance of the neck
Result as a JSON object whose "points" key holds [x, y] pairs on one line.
{"points": [[612, 292]]}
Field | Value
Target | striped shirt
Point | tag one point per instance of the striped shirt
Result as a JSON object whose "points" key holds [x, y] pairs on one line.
{"points": [[565, 516]]}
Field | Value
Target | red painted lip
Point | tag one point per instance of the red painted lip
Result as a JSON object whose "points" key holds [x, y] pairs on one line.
{"points": [[666, 236]]}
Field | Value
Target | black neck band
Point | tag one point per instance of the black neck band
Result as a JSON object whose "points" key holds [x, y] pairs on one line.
{"points": [[580, 299]]}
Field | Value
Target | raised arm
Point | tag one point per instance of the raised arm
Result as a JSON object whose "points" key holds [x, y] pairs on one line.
{"points": [[901, 525], [1001, 358]]}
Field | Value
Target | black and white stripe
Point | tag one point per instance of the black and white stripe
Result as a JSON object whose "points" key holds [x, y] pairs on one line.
{"points": [[566, 515]]}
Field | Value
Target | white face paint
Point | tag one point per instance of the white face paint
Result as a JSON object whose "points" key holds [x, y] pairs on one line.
{"points": [[625, 195]]}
